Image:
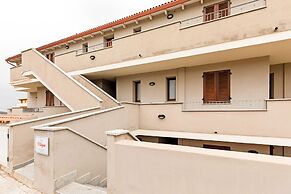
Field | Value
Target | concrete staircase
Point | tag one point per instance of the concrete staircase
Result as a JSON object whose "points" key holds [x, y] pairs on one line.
{"points": [[77, 188], [50, 75]]}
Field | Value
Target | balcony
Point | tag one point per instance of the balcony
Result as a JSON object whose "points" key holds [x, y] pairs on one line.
{"points": [[94, 48], [180, 36], [224, 13]]}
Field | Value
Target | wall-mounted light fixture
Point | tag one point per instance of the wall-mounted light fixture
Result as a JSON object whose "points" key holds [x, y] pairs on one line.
{"points": [[152, 83], [276, 29], [162, 117], [67, 47], [140, 55], [170, 16], [92, 57]]}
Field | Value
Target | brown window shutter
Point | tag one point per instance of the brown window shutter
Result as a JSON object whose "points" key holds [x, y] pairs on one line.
{"points": [[49, 98], [223, 86], [209, 88]]}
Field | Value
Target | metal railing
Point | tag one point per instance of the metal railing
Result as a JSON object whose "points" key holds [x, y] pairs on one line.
{"points": [[251, 104], [96, 47], [233, 10]]}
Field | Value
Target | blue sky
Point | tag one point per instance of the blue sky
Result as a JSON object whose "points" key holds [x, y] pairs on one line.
{"points": [[32, 23]]}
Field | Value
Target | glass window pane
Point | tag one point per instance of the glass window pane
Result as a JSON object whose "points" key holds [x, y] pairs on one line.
{"points": [[172, 89]]}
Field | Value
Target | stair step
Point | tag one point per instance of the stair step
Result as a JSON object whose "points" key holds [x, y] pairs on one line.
{"points": [[76, 188]]}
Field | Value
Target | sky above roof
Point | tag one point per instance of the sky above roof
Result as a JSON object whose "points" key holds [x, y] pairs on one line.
{"points": [[32, 23]]}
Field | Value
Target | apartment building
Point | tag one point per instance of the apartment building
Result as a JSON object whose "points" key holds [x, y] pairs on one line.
{"points": [[188, 86]]}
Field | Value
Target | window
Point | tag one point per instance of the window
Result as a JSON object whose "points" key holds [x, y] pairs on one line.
{"points": [[272, 86], [49, 98], [169, 140], [171, 89], [216, 147], [85, 48], [216, 86], [108, 41], [136, 88], [216, 11], [51, 57], [137, 29]]}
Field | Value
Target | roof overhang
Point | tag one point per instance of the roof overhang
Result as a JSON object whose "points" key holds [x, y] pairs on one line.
{"points": [[109, 26], [277, 46]]}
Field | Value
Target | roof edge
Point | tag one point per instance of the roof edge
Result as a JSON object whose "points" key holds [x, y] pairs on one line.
{"points": [[123, 20]]}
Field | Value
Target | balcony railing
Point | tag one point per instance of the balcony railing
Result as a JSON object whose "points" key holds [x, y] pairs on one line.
{"points": [[96, 47], [251, 104], [233, 10]]}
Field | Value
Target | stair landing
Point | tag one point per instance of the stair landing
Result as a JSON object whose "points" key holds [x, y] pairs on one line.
{"points": [[76, 188]]}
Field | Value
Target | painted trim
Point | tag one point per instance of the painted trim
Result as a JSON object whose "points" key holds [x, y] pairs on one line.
{"points": [[77, 118], [52, 117], [55, 129]]}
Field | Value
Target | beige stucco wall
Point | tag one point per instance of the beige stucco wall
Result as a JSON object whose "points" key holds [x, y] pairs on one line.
{"points": [[288, 80], [172, 38], [164, 169], [273, 122], [66, 161], [21, 137], [249, 85]]}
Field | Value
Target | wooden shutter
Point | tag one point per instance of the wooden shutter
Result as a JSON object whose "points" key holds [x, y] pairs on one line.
{"points": [[223, 85], [216, 86], [209, 88], [49, 98]]}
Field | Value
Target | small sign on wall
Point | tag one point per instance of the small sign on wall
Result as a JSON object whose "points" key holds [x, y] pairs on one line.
{"points": [[41, 145]]}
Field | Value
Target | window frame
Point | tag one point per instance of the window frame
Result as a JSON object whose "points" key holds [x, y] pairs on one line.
{"points": [[51, 56], [108, 41], [137, 29], [216, 87], [85, 47], [135, 91], [216, 12], [168, 79], [49, 99]]}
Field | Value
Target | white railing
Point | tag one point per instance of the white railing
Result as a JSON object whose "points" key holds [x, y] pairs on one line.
{"points": [[233, 10], [216, 15], [96, 47], [252, 104]]}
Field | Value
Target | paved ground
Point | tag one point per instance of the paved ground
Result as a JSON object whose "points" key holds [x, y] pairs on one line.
{"points": [[8, 185]]}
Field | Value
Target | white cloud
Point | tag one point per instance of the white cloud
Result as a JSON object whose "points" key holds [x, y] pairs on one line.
{"points": [[32, 23]]}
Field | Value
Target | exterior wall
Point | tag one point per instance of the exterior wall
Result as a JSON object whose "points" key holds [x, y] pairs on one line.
{"points": [[38, 99], [249, 85], [282, 79], [149, 93], [278, 80], [155, 42], [57, 169], [288, 80], [160, 169], [273, 122], [21, 137]]}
